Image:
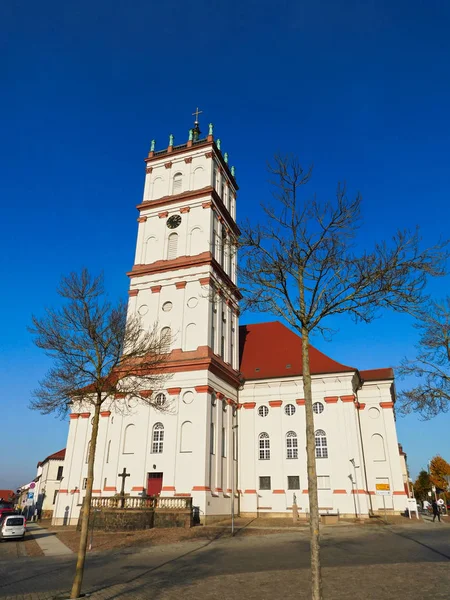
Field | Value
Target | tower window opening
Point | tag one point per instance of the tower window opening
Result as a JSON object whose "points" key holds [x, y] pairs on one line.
{"points": [[172, 246], [177, 183]]}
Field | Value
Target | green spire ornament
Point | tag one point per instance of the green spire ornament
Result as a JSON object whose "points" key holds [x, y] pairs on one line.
{"points": [[210, 129], [191, 134], [233, 171], [225, 157], [171, 139], [152, 145], [218, 143]]}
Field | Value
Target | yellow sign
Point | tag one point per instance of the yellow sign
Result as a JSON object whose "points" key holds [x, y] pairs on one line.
{"points": [[382, 487]]}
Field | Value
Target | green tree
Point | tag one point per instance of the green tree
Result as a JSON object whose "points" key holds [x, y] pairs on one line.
{"points": [[422, 486], [439, 468]]}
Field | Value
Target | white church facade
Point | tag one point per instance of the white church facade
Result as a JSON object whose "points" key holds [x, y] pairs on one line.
{"points": [[233, 425]]}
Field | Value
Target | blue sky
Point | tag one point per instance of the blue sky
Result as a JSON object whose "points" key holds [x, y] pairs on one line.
{"points": [[361, 89]]}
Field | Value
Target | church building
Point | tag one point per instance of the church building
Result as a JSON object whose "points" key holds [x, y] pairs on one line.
{"points": [[231, 429]]}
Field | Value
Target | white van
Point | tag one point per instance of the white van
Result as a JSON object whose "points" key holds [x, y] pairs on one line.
{"points": [[13, 526]]}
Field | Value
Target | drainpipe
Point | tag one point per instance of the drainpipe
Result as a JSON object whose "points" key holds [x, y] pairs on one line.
{"points": [[363, 456]]}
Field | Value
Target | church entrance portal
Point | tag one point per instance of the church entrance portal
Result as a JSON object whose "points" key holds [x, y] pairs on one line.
{"points": [[154, 484]]}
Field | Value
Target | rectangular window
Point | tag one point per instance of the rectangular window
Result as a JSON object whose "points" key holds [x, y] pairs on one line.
{"points": [[213, 325], [293, 482], [158, 440], [264, 483], [54, 496], [231, 358], [84, 483], [264, 447], [222, 343], [323, 482], [60, 473]]}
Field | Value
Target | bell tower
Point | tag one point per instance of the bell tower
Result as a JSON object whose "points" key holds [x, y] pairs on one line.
{"points": [[184, 274], [184, 279]]}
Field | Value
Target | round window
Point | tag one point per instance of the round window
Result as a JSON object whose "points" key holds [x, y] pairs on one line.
{"points": [[318, 408], [167, 306], [192, 302], [143, 309], [263, 411], [160, 399], [188, 397], [289, 409], [374, 413]]}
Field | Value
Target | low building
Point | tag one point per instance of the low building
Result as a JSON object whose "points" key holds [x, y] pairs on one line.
{"points": [[47, 483]]}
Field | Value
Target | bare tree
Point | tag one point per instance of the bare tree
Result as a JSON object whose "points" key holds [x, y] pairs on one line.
{"points": [[302, 264], [100, 358], [432, 365]]}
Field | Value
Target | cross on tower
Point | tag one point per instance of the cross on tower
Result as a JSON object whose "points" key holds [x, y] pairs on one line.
{"points": [[195, 114], [123, 475]]}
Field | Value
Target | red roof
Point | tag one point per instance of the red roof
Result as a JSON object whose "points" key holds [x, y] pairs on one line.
{"points": [[377, 374], [270, 350], [6, 494], [60, 455]]}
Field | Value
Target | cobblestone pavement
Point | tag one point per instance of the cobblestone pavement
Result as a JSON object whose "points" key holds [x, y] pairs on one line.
{"points": [[410, 562]]}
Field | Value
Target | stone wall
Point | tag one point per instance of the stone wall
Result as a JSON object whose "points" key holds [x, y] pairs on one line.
{"points": [[117, 519], [120, 520], [168, 518]]}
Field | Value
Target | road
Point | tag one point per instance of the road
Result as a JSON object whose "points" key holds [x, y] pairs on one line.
{"points": [[11, 550], [359, 562]]}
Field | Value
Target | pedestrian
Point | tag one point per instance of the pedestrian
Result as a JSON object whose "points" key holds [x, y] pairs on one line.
{"points": [[436, 511]]}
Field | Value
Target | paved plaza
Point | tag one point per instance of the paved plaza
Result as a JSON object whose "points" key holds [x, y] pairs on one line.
{"points": [[359, 562]]}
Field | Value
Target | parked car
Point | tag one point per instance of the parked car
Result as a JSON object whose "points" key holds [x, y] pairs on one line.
{"points": [[12, 526], [6, 508]]}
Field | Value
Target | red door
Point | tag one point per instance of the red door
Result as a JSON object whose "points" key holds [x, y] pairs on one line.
{"points": [[154, 484]]}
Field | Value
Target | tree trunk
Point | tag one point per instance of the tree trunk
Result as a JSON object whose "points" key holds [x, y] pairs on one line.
{"points": [[314, 518], [79, 570]]}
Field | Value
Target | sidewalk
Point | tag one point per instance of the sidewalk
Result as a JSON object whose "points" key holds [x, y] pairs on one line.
{"points": [[48, 541]]}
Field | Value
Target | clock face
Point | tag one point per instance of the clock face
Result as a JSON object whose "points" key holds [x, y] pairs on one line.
{"points": [[173, 221]]}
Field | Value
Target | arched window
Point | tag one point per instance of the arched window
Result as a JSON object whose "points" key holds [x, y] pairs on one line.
{"points": [[158, 438], [321, 444], [128, 439], [177, 183], [264, 446], [291, 445], [190, 337], [186, 437], [378, 451], [108, 451], [195, 242], [172, 246], [151, 249], [166, 339]]}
